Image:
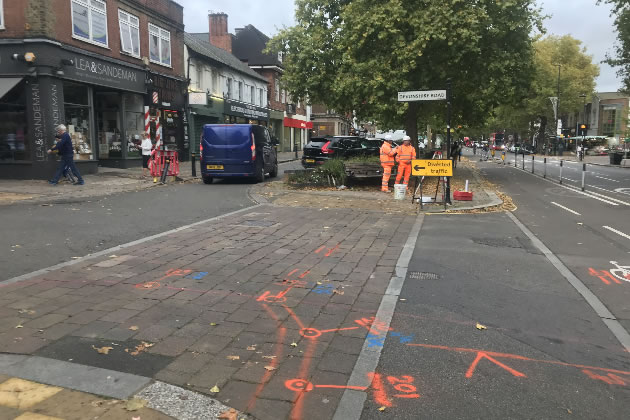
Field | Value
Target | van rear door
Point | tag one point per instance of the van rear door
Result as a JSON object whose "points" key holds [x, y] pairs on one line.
{"points": [[230, 146]]}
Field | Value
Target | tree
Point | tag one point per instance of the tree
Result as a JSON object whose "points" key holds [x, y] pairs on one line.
{"points": [[577, 77], [356, 55], [621, 8]]}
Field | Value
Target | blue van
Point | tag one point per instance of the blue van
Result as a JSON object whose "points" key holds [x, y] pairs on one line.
{"points": [[237, 150]]}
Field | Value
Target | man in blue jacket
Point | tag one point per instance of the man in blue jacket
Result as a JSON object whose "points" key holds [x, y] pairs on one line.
{"points": [[64, 147]]}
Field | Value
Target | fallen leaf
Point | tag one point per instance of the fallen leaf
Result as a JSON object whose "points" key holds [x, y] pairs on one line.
{"points": [[213, 324], [231, 414], [135, 404], [214, 389], [382, 408], [26, 311], [113, 256], [19, 326], [139, 348], [569, 411], [339, 292], [134, 328], [269, 357], [294, 344], [319, 282], [251, 348], [481, 327], [270, 368], [75, 258], [103, 350], [403, 300], [135, 418], [233, 357]]}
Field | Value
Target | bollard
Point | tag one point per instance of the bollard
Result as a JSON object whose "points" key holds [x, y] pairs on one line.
{"points": [[523, 161], [583, 175], [533, 160], [545, 165], [515, 156], [193, 164], [165, 171], [561, 171]]}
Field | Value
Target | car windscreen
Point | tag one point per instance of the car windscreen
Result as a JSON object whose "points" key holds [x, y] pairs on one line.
{"points": [[227, 135]]}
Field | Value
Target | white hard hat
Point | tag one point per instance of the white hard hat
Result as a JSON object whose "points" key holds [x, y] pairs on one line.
{"points": [[388, 137], [406, 138]]}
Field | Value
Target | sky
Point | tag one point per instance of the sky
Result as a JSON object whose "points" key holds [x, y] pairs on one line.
{"points": [[583, 19]]}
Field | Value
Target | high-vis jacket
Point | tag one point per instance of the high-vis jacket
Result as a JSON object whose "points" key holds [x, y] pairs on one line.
{"points": [[405, 154], [387, 154]]}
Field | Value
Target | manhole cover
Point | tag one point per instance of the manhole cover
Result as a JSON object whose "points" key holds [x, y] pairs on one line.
{"points": [[422, 275]]}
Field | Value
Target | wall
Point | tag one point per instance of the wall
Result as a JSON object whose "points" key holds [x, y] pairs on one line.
{"points": [[52, 19]]}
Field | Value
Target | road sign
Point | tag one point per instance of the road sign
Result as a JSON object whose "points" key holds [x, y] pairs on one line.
{"points": [[432, 167], [422, 95]]}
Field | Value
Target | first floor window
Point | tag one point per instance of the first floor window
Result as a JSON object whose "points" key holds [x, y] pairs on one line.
{"points": [[129, 33], [260, 97], [277, 88], [159, 45], [89, 20], [1, 15]]}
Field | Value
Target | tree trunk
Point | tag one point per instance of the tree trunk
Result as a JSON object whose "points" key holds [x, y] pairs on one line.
{"points": [[429, 138], [411, 123], [542, 141]]}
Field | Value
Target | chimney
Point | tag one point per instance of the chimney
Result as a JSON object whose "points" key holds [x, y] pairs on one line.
{"points": [[218, 28]]}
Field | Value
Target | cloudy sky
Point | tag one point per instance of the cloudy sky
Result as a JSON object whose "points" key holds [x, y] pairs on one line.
{"points": [[583, 19]]}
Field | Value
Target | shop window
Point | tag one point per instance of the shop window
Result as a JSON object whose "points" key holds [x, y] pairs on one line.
{"points": [[159, 45], [129, 33], [134, 123], [77, 111], [89, 21], [110, 140], [14, 143]]}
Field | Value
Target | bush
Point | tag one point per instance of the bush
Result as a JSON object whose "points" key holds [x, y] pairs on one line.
{"points": [[365, 159], [331, 173]]}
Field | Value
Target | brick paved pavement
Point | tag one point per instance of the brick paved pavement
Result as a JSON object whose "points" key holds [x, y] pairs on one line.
{"points": [[265, 305]]}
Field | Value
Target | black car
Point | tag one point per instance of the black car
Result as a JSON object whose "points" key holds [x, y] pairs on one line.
{"points": [[321, 149]]}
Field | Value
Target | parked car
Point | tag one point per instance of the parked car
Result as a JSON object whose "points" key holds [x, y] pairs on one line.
{"points": [[237, 150], [321, 149]]}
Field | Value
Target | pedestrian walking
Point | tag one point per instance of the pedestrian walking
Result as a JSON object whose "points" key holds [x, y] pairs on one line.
{"points": [[146, 146], [66, 151], [474, 148], [387, 162], [404, 156], [460, 149], [454, 153]]}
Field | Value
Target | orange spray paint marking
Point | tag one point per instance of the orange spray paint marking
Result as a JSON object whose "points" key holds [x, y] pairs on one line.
{"points": [[294, 316], [373, 325], [269, 298], [281, 333], [516, 357], [331, 250], [604, 276], [404, 385], [378, 390], [482, 355], [314, 332], [610, 379], [320, 249], [298, 408], [148, 285], [299, 385]]}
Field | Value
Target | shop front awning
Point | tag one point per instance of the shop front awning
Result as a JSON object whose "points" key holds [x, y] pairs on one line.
{"points": [[8, 83]]}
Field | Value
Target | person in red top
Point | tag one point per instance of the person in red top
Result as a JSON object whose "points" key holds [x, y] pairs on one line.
{"points": [[387, 162], [405, 154]]}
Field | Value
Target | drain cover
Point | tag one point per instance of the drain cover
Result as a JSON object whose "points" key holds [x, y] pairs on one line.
{"points": [[422, 275]]}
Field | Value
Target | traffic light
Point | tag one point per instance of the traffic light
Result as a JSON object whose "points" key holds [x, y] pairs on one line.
{"points": [[583, 129]]}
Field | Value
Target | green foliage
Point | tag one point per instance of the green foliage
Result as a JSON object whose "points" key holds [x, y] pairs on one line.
{"points": [[356, 55], [621, 8], [331, 173], [364, 159]]}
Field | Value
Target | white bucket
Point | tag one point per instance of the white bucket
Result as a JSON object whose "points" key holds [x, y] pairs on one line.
{"points": [[399, 191]]}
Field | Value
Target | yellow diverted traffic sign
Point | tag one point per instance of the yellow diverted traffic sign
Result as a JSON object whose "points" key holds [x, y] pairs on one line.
{"points": [[432, 167]]}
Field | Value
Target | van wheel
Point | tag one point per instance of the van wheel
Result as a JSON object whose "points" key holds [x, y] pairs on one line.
{"points": [[274, 171], [260, 172], [207, 180]]}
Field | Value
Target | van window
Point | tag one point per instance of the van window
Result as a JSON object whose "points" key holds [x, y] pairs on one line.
{"points": [[259, 134]]}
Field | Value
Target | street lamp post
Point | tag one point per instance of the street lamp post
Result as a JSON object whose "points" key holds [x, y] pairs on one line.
{"points": [[558, 108], [577, 125]]}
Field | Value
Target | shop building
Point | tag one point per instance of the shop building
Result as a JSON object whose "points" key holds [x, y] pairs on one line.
{"points": [[107, 70], [289, 121], [222, 88], [327, 122]]}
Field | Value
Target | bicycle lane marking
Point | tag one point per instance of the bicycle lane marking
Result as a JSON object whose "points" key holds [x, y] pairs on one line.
{"points": [[618, 232], [598, 306]]}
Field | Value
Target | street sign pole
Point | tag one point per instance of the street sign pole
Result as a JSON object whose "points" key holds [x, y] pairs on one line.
{"points": [[448, 137]]}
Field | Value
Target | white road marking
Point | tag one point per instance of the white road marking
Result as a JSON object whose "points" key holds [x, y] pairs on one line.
{"points": [[617, 232], [607, 179], [565, 208], [610, 198]]}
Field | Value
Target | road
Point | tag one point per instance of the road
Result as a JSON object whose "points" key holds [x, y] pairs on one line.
{"points": [[546, 352], [38, 236]]}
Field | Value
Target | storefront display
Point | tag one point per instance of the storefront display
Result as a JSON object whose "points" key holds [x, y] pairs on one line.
{"points": [[77, 119], [134, 123], [108, 125], [13, 125]]}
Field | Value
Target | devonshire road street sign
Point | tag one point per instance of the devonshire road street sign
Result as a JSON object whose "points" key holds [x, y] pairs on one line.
{"points": [[432, 167], [422, 95]]}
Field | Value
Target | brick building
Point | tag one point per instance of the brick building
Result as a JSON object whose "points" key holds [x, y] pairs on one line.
{"points": [[327, 122], [108, 70]]}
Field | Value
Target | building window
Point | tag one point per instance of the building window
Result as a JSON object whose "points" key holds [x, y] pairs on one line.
{"points": [[260, 97], [129, 33], [214, 82], [229, 88], [200, 77], [280, 57], [611, 120], [14, 127], [89, 21], [159, 45], [78, 113], [1, 15], [252, 94], [277, 88], [240, 91], [284, 96]]}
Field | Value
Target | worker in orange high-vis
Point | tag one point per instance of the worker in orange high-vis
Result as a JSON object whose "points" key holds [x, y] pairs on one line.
{"points": [[404, 155], [387, 162]]}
